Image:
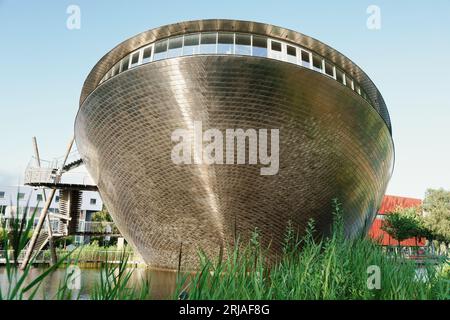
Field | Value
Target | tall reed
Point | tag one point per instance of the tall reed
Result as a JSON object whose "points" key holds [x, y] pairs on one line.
{"points": [[326, 268]]}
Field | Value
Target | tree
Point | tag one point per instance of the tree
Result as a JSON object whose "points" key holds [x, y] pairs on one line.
{"points": [[400, 225], [436, 207], [102, 216], [3, 237]]}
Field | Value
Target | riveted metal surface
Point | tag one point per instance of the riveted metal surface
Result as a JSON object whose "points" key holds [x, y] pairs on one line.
{"points": [[333, 144], [120, 51]]}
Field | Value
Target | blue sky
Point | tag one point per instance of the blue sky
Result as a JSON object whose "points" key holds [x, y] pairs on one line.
{"points": [[43, 66]]}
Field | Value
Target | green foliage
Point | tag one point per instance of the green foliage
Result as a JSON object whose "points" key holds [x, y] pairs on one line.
{"points": [[102, 216], [113, 284], [3, 236], [403, 224], [18, 288], [436, 206], [327, 268], [114, 280]]}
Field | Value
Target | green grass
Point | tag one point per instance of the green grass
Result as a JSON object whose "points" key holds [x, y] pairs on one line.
{"points": [[330, 268], [114, 282], [309, 268]]}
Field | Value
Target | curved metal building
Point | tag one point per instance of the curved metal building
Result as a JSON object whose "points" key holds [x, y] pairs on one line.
{"points": [[334, 136]]}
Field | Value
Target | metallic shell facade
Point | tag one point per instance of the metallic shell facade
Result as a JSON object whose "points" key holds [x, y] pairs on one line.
{"points": [[333, 144]]}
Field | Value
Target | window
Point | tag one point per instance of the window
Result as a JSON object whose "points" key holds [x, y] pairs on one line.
{"points": [[349, 82], [225, 43], [125, 64], [243, 44], [329, 69], [339, 75], [364, 95], [39, 197], [2, 210], [21, 196], [147, 54], [175, 47], [191, 44], [291, 54], [2, 194], [317, 63], [260, 46], [276, 50], [135, 59], [358, 89], [160, 50], [208, 43], [276, 46], [93, 201], [56, 199], [306, 59], [115, 69]]}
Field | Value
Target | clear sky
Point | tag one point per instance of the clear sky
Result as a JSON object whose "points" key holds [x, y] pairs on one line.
{"points": [[43, 65]]}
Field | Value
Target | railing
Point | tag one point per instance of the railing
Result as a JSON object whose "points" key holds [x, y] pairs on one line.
{"points": [[40, 175], [46, 176], [46, 173], [40, 257], [82, 255], [97, 227], [60, 227]]}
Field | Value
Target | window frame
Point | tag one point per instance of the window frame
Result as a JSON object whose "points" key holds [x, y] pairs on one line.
{"points": [[150, 59], [288, 55], [194, 52], [309, 53], [139, 53], [250, 46], [179, 49], [208, 44], [166, 40], [267, 46], [123, 61], [317, 69], [233, 44]]}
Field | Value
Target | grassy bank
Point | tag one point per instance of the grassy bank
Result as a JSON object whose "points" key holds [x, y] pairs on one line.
{"points": [[331, 268], [310, 267]]}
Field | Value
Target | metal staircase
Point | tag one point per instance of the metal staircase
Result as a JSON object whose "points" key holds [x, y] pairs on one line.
{"points": [[72, 165], [70, 206], [41, 242]]}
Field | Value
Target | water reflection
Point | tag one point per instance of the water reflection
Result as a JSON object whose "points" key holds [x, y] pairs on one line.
{"points": [[162, 283]]}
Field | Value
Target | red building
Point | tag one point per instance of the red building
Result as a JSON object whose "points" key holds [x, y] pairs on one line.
{"points": [[389, 204]]}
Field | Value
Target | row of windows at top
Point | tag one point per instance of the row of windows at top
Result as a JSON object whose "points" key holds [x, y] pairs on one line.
{"points": [[232, 43]]}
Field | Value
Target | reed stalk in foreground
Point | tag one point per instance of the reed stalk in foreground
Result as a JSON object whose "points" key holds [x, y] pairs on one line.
{"points": [[328, 268], [114, 282]]}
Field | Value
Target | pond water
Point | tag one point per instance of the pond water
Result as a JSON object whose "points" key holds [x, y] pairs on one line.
{"points": [[162, 283]]}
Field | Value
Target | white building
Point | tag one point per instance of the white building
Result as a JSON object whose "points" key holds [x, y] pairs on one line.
{"points": [[25, 199]]}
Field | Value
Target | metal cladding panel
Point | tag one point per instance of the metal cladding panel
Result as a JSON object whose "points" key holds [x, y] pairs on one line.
{"points": [[333, 144]]}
